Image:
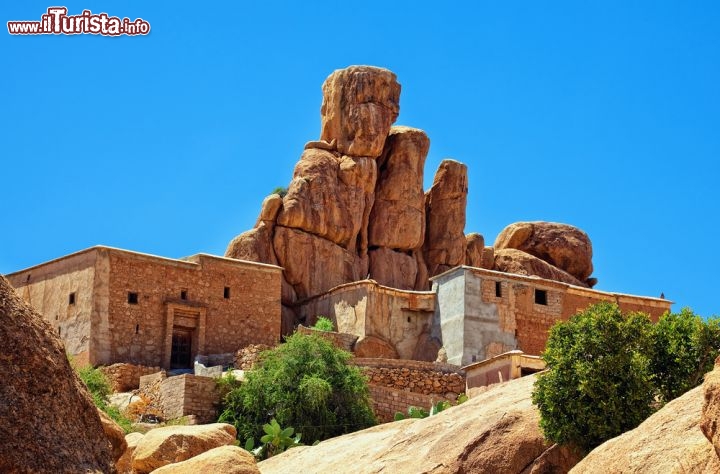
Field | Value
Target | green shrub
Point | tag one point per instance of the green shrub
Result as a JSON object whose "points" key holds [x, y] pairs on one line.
{"points": [[684, 349], [324, 324], [305, 383], [99, 387], [599, 383], [282, 191]]}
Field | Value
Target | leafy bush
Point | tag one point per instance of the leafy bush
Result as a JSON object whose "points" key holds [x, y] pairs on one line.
{"points": [[324, 324], [282, 191], [608, 372], [599, 384], [435, 408], [275, 441], [306, 383], [100, 390], [684, 349]]}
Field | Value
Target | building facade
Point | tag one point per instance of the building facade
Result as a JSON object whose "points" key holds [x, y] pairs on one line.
{"points": [[483, 313], [111, 305]]}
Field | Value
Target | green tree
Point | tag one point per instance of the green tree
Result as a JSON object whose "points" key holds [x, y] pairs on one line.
{"points": [[684, 349], [324, 324], [599, 383], [305, 383]]}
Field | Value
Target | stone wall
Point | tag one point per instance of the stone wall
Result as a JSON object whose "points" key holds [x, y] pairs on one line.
{"points": [[62, 292], [483, 313], [185, 395], [125, 377], [395, 385], [341, 340], [389, 323], [112, 305]]}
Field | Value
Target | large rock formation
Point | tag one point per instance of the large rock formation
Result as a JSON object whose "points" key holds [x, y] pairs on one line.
{"points": [[560, 245], [495, 432], [356, 208], [48, 422], [669, 441]]}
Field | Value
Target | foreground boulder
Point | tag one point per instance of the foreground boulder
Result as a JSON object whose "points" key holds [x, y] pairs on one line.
{"points": [[124, 464], [669, 441], [495, 432], [48, 422], [225, 460], [172, 444]]}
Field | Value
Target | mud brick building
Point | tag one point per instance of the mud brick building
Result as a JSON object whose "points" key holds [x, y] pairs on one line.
{"points": [[111, 305], [483, 313]]}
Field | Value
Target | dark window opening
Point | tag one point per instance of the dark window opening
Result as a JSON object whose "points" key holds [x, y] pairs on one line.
{"points": [[183, 294], [408, 318], [226, 292], [137, 328], [541, 297], [498, 289], [59, 330], [57, 316], [71, 298], [528, 371], [132, 298]]}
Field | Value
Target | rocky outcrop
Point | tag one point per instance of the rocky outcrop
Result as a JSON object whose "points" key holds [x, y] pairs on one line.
{"points": [[474, 247], [521, 263], [495, 432], [444, 246], [360, 103], [668, 441], [172, 444], [48, 422], [710, 420], [225, 459], [397, 220], [563, 246]]}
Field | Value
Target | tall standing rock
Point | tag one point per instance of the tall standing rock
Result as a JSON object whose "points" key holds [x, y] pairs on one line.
{"points": [[445, 202], [48, 423], [397, 220], [360, 103]]}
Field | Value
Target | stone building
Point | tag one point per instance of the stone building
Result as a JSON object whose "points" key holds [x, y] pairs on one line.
{"points": [[111, 305], [483, 313]]}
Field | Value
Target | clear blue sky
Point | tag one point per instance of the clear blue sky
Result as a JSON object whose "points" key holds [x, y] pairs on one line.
{"points": [[604, 116]]}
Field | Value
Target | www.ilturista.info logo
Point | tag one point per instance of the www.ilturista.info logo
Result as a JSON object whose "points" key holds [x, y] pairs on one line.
{"points": [[57, 22]]}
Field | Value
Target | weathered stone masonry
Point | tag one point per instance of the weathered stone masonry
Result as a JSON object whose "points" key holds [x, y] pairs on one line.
{"points": [[112, 305]]}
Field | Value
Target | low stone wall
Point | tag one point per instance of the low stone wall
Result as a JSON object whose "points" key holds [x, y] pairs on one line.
{"points": [[126, 377], [388, 401], [246, 357], [396, 385], [426, 378], [341, 340], [188, 394]]}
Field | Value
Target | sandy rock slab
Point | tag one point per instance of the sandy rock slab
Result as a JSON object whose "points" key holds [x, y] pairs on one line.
{"points": [[495, 432], [224, 459], [172, 444]]}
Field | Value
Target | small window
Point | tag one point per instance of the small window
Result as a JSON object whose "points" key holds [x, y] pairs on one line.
{"points": [[71, 298], [59, 331], [498, 289], [183, 294], [137, 328], [132, 298], [226, 292], [541, 297]]}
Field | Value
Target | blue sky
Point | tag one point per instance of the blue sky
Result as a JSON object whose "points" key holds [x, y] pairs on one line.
{"points": [[604, 115]]}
